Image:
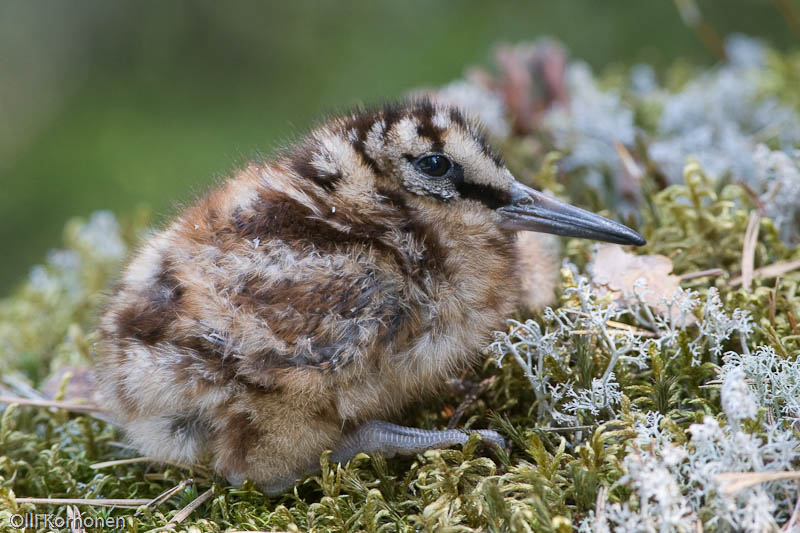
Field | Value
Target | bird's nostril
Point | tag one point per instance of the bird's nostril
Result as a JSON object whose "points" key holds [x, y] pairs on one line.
{"points": [[525, 200]]}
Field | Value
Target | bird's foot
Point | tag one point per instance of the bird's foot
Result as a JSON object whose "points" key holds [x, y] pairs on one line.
{"points": [[377, 436]]}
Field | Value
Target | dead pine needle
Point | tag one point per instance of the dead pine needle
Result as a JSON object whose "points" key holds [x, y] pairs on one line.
{"points": [[770, 271], [701, 274], [145, 459], [773, 300], [169, 493], [566, 429], [616, 325], [118, 462], [795, 518], [631, 184], [733, 482], [749, 249], [69, 406], [792, 323], [600, 504], [96, 502], [613, 331], [184, 513]]}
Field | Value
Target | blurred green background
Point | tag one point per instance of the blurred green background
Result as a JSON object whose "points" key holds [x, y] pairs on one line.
{"points": [[110, 105]]}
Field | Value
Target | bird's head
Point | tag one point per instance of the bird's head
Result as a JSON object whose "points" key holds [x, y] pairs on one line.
{"points": [[440, 161]]}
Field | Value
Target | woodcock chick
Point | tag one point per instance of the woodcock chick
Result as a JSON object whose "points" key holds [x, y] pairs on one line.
{"points": [[306, 299]]}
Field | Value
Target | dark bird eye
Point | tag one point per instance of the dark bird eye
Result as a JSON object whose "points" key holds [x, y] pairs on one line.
{"points": [[434, 165]]}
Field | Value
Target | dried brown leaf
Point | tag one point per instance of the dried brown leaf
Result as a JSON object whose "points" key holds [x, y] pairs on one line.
{"points": [[615, 271]]}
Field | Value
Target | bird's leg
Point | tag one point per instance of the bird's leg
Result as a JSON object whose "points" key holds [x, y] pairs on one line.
{"points": [[377, 436]]}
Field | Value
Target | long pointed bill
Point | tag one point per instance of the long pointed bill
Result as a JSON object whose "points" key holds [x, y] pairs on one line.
{"points": [[533, 211]]}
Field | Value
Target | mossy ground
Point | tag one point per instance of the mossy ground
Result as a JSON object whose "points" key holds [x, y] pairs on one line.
{"points": [[555, 473]]}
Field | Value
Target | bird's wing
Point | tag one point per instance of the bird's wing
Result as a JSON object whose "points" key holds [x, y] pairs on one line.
{"points": [[319, 318], [286, 282]]}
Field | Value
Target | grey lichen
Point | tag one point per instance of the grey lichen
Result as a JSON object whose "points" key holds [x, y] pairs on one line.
{"points": [[623, 416]]}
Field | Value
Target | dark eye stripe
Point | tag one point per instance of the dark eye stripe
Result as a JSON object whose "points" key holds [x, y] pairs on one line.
{"points": [[485, 194], [489, 196]]}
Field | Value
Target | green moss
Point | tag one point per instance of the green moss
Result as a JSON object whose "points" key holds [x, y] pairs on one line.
{"points": [[554, 474]]}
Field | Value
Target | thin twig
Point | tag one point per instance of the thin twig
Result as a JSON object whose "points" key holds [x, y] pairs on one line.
{"points": [[773, 300], [701, 274], [628, 162], [631, 184], [749, 249], [121, 445], [118, 462], [600, 504], [632, 329], [19, 387], [145, 459], [752, 194], [184, 513], [733, 482], [792, 323], [566, 429], [618, 325], [96, 502], [615, 331], [795, 513], [69, 406], [169, 493], [770, 271]]}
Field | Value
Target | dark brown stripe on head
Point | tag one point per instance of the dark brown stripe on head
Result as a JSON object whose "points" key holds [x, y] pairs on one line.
{"points": [[361, 124], [391, 116], [457, 118], [424, 112]]}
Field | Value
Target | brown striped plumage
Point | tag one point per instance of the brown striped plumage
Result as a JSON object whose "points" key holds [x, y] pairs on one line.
{"points": [[311, 294]]}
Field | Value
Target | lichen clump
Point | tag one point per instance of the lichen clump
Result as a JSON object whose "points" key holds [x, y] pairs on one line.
{"points": [[646, 409]]}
